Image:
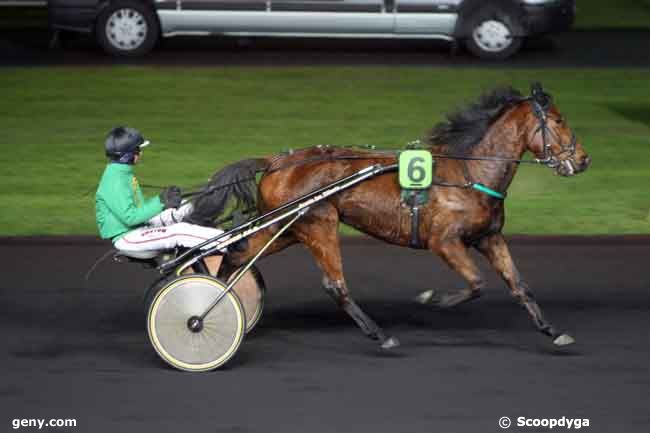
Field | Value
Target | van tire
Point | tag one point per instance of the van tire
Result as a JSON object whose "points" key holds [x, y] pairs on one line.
{"points": [[493, 34], [135, 25]]}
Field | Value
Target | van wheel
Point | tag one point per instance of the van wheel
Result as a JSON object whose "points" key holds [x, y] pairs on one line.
{"points": [[493, 35], [127, 28]]}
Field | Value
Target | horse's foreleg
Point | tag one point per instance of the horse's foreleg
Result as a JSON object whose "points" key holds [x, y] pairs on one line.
{"points": [[455, 253], [321, 239], [496, 250]]}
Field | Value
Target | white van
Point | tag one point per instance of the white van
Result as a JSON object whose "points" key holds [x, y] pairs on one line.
{"points": [[489, 29]]}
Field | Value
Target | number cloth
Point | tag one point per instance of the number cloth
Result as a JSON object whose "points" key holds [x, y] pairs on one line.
{"points": [[415, 169]]}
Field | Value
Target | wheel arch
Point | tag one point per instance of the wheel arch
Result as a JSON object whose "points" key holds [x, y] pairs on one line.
{"points": [[469, 9], [103, 4]]}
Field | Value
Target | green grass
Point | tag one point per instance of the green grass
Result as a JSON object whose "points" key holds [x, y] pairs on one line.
{"points": [[53, 122], [613, 14]]}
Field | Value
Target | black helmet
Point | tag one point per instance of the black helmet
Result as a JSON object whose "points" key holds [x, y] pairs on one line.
{"points": [[122, 144]]}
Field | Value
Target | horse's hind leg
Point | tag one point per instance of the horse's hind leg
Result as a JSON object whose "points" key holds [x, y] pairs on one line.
{"points": [[496, 250], [320, 235], [236, 258], [455, 253]]}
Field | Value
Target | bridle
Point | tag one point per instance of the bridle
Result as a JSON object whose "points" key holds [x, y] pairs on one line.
{"points": [[541, 104]]}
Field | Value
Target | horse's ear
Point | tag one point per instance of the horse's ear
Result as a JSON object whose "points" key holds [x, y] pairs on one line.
{"points": [[538, 94]]}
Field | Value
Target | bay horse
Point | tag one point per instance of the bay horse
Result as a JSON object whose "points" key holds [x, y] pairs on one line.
{"points": [[485, 142]]}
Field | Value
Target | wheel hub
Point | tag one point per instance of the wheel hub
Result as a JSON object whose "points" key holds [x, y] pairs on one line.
{"points": [[195, 324]]}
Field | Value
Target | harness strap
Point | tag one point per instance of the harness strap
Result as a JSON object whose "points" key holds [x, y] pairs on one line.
{"points": [[415, 199], [488, 191], [415, 227]]}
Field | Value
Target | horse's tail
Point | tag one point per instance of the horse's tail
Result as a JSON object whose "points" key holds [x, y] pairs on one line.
{"points": [[236, 182]]}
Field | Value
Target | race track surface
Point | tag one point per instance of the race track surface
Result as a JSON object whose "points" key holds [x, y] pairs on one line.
{"points": [[595, 48], [71, 351]]}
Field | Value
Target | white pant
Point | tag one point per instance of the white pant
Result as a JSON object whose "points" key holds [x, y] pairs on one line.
{"points": [[149, 238], [165, 232]]}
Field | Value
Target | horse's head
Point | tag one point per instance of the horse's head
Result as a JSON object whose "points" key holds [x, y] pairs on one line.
{"points": [[550, 139]]}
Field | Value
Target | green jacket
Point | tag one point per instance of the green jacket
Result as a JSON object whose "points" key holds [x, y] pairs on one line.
{"points": [[119, 203]]}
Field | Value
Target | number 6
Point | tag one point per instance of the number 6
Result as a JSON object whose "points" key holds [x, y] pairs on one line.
{"points": [[416, 172]]}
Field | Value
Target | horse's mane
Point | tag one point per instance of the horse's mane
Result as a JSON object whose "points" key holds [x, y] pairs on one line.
{"points": [[465, 128]]}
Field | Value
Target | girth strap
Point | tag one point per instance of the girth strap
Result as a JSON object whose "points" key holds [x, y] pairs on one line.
{"points": [[415, 227], [415, 199]]}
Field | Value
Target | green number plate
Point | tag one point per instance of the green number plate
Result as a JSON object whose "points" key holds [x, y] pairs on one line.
{"points": [[415, 169]]}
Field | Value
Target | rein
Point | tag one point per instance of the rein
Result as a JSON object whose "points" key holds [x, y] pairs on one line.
{"points": [[469, 184], [438, 182], [540, 102]]}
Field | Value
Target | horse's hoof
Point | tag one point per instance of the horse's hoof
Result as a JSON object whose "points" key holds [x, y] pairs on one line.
{"points": [[425, 298], [564, 340], [390, 343], [442, 299]]}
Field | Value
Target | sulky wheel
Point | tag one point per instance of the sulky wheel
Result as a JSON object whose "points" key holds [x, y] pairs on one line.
{"points": [[151, 291], [178, 333], [250, 291]]}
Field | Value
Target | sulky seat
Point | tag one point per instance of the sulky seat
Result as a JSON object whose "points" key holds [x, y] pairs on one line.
{"points": [[138, 255], [150, 259]]}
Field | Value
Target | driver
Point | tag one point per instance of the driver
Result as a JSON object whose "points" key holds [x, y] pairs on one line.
{"points": [[131, 221]]}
